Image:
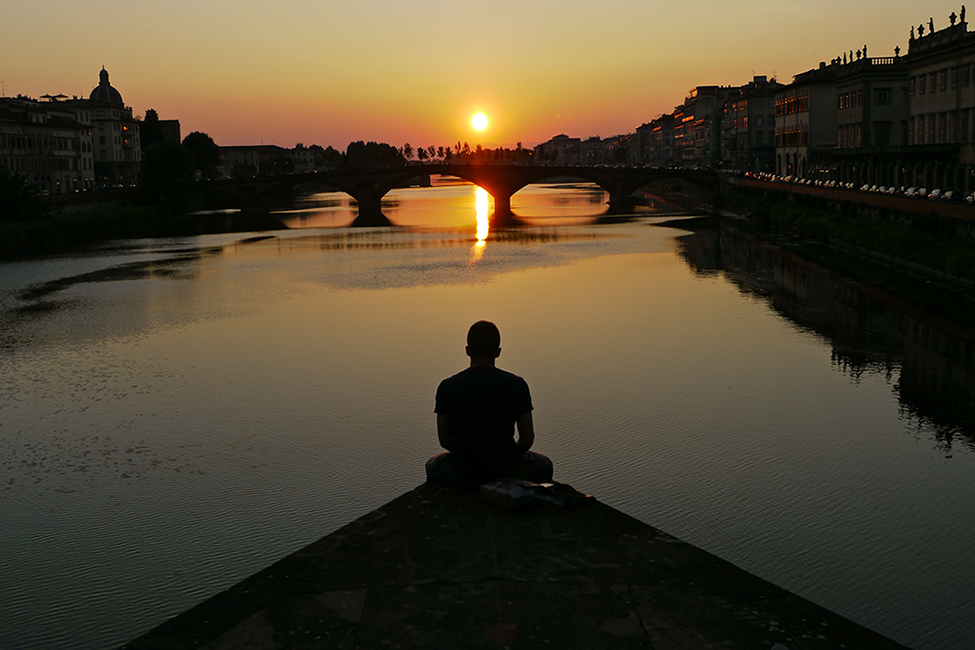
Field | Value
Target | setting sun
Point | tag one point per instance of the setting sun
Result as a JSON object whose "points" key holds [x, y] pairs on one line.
{"points": [[479, 121]]}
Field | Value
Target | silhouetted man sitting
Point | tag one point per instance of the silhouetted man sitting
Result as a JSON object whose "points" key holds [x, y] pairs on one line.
{"points": [[477, 412]]}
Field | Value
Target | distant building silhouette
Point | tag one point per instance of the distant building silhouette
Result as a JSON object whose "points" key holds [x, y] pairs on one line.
{"points": [[48, 141], [805, 122], [115, 135], [748, 127]]}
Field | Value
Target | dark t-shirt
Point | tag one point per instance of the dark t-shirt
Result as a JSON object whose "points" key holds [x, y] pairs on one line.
{"points": [[481, 405]]}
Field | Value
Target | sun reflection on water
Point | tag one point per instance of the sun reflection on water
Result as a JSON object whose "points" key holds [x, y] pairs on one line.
{"points": [[481, 213]]}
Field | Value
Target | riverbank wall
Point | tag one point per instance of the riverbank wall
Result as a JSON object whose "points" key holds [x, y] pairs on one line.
{"points": [[926, 237], [865, 203], [437, 568]]}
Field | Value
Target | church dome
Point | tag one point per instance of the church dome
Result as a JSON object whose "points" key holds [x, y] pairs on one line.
{"points": [[104, 92]]}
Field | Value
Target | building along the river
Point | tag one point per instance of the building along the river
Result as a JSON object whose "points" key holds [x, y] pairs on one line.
{"points": [[805, 124], [48, 141], [115, 135], [872, 116], [941, 134]]}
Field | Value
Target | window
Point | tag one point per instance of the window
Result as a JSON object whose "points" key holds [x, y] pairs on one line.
{"points": [[932, 79], [943, 78], [921, 81], [966, 75], [883, 96], [954, 77]]}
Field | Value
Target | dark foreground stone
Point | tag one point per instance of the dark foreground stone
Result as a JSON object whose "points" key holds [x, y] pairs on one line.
{"points": [[442, 569]]}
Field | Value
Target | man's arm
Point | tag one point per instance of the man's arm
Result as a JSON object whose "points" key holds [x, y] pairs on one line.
{"points": [[444, 434], [526, 431]]}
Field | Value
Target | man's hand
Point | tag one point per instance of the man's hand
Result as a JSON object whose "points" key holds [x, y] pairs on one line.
{"points": [[444, 434], [526, 431]]}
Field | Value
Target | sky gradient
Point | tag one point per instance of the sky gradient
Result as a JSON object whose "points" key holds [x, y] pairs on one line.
{"points": [[329, 72]]}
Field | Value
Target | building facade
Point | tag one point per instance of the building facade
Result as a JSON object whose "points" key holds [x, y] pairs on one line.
{"points": [[660, 141], [49, 142], [940, 148], [697, 126], [873, 107], [748, 127], [254, 160], [560, 150], [805, 124], [115, 136]]}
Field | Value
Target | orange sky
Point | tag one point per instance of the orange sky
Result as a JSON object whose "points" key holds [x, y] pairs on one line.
{"points": [[328, 72]]}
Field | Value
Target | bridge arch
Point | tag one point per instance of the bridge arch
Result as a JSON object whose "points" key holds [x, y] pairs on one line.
{"points": [[368, 186]]}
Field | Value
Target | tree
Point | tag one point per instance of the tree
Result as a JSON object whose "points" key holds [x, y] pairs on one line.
{"points": [[167, 176], [361, 154], [407, 151], [19, 201], [205, 152], [440, 152], [421, 153], [431, 151], [331, 157]]}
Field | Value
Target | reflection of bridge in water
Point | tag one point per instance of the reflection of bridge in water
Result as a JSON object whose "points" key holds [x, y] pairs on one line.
{"points": [[368, 186]]}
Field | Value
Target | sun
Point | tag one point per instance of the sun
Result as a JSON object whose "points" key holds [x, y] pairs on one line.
{"points": [[479, 121]]}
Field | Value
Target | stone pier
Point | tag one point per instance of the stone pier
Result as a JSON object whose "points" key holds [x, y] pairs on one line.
{"points": [[441, 570]]}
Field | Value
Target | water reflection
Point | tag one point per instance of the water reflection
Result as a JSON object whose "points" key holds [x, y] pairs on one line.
{"points": [[481, 209], [925, 359], [447, 202]]}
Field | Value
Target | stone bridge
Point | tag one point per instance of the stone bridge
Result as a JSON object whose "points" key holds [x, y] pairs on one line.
{"points": [[368, 186]]}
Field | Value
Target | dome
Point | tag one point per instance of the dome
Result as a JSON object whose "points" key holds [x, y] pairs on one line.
{"points": [[104, 92]]}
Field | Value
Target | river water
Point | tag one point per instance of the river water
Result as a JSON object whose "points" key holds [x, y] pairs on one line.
{"points": [[178, 414]]}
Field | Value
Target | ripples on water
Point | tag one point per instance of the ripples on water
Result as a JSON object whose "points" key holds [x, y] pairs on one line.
{"points": [[179, 414]]}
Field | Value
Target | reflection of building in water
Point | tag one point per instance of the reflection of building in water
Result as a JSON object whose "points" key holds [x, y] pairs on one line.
{"points": [[871, 333], [936, 378]]}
